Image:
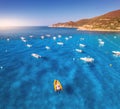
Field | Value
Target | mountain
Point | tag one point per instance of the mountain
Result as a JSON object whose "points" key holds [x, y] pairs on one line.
{"points": [[108, 21]]}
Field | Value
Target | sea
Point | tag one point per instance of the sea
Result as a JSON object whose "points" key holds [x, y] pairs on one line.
{"points": [[64, 54]]}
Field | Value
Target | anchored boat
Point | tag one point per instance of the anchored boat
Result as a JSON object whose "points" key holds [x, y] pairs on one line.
{"points": [[57, 85]]}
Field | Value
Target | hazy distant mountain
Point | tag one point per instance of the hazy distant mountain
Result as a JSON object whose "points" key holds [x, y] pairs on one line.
{"points": [[108, 21]]}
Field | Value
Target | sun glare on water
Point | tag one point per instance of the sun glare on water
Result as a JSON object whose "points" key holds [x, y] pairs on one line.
{"points": [[8, 23]]}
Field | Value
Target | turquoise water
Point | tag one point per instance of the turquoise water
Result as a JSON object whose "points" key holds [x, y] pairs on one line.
{"points": [[27, 82]]}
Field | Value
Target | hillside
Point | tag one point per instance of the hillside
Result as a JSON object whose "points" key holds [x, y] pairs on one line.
{"points": [[108, 21]]}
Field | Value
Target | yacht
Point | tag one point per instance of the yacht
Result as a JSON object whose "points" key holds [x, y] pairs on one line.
{"points": [[36, 55], [48, 35], [47, 47], [42, 37], [54, 38], [117, 53], [87, 59], [1, 67], [59, 36], [22, 38], [60, 43], [66, 38], [78, 50], [8, 39], [82, 45], [31, 36], [28, 45], [70, 37], [101, 42]]}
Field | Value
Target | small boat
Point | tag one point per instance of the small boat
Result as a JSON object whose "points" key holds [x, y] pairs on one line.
{"points": [[59, 36], [87, 59], [48, 35], [78, 50], [22, 38], [82, 45], [57, 85], [70, 37], [60, 43], [54, 38], [28, 45], [31, 36], [66, 38], [1, 67], [101, 42], [117, 53], [47, 47], [8, 39], [42, 37], [36, 55], [81, 38]]}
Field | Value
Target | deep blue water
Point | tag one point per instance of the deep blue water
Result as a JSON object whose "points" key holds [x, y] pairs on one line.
{"points": [[27, 82]]}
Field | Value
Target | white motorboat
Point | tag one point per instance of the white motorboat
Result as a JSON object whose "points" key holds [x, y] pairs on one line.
{"points": [[101, 42], [81, 39], [36, 55], [48, 35], [8, 39], [1, 67], [31, 36], [82, 45], [78, 50], [70, 37], [42, 37], [60, 43], [28, 45], [117, 53], [22, 38], [87, 59], [54, 38], [59, 36], [66, 38], [47, 47]]}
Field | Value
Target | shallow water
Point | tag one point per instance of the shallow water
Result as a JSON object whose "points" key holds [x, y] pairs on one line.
{"points": [[27, 82]]}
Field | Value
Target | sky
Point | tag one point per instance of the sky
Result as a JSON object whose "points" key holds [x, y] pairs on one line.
{"points": [[48, 12]]}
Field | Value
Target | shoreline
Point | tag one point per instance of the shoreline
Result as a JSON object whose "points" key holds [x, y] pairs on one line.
{"points": [[97, 30], [85, 29]]}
